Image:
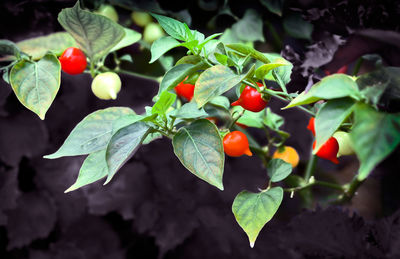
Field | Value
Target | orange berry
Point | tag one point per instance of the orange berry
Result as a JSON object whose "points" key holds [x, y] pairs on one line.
{"points": [[287, 154]]}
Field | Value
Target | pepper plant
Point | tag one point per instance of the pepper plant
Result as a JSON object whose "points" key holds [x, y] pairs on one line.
{"points": [[111, 136]]}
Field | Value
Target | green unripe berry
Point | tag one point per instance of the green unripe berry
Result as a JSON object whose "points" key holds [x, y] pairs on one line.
{"points": [[152, 32], [141, 18], [106, 85], [109, 12], [345, 144]]}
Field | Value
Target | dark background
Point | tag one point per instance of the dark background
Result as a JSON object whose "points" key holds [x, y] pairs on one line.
{"points": [[154, 208]]}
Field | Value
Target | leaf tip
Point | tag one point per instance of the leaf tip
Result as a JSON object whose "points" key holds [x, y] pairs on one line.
{"points": [[70, 189], [252, 244]]}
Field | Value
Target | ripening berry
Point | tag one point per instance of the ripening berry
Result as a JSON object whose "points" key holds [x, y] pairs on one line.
{"points": [[236, 144], [329, 150], [73, 61], [287, 154], [250, 99]]}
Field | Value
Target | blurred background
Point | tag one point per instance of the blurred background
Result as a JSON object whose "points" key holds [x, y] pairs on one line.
{"points": [[155, 208]]}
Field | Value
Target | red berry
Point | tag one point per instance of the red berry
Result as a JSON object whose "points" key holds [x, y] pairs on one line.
{"points": [[329, 150], [250, 99], [73, 61], [311, 126], [236, 144], [341, 70], [185, 90]]}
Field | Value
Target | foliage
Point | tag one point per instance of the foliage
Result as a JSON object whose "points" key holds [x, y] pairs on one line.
{"points": [[218, 66]]}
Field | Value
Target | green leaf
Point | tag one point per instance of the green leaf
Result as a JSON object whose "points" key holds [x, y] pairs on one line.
{"points": [[39, 46], [278, 170], [296, 27], [208, 39], [246, 50], [177, 74], [250, 27], [374, 136], [250, 119], [280, 74], [91, 134], [199, 148], [188, 60], [162, 105], [161, 46], [381, 86], [263, 70], [95, 34], [9, 48], [130, 38], [274, 6], [174, 28], [253, 210], [214, 82], [151, 137], [220, 101], [273, 120], [331, 87], [123, 145], [93, 169], [329, 118], [36, 83], [189, 111], [221, 58]]}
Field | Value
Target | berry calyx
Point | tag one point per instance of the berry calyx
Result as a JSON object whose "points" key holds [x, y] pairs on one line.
{"points": [[236, 144], [185, 90], [287, 154], [106, 85], [251, 100], [73, 61], [311, 126], [329, 150]]}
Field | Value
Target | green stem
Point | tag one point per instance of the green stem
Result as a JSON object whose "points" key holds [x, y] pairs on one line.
{"points": [[275, 36], [92, 72], [350, 190], [134, 74], [234, 120], [357, 66], [313, 182], [311, 165], [330, 185]]}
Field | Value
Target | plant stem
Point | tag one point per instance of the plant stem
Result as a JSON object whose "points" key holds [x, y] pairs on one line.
{"points": [[236, 119], [275, 35], [357, 66], [136, 74], [350, 190], [330, 185], [313, 182], [311, 165]]}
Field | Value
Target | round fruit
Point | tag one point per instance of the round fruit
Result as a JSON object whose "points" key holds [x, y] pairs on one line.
{"points": [[311, 126], [236, 144], [106, 85], [109, 12], [185, 90], [251, 100], [345, 144], [287, 154], [329, 150], [73, 61], [141, 18], [152, 32]]}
